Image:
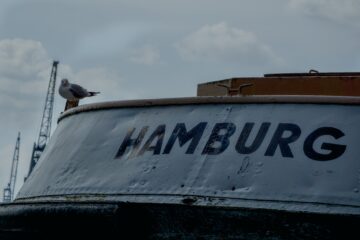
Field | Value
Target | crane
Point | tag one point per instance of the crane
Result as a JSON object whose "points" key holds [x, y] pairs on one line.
{"points": [[9, 190], [45, 127]]}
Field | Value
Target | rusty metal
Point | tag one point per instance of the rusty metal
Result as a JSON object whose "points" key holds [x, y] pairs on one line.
{"points": [[243, 86], [311, 83], [235, 91]]}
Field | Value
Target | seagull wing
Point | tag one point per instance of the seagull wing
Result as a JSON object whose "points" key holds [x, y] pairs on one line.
{"points": [[78, 91]]}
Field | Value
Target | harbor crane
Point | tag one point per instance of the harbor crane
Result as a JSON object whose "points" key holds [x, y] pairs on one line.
{"points": [[45, 127], [9, 190]]}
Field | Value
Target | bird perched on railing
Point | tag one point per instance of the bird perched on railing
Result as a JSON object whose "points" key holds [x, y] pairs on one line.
{"points": [[73, 93]]}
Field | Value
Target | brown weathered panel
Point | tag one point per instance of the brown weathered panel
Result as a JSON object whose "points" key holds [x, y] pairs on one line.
{"points": [[331, 85]]}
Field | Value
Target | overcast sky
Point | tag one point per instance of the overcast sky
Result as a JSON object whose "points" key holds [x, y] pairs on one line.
{"points": [[129, 49]]}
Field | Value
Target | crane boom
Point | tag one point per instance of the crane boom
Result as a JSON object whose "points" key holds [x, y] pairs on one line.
{"points": [[9, 190], [45, 127]]}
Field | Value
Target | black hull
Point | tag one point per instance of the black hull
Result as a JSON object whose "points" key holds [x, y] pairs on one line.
{"points": [[165, 221]]}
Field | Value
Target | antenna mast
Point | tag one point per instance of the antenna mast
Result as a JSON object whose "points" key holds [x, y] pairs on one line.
{"points": [[45, 127], [9, 190]]}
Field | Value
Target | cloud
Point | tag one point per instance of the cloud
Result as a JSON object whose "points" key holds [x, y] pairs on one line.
{"points": [[345, 11], [20, 58], [25, 70], [221, 42], [146, 55], [24, 75], [23, 67], [106, 40]]}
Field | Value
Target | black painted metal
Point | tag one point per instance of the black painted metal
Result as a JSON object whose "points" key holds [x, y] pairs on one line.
{"points": [[314, 73], [165, 221]]}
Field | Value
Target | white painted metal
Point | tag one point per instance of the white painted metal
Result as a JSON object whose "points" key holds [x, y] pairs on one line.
{"points": [[79, 162]]}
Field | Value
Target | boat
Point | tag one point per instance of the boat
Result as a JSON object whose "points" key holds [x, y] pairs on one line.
{"points": [[231, 163]]}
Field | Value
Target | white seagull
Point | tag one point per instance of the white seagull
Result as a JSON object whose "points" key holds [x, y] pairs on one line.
{"points": [[74, 92]]}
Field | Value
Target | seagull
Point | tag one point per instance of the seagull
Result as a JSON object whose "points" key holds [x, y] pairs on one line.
{"points": [[74, 92]]}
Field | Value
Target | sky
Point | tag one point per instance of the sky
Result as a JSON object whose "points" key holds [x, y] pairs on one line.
{"points": [[136, 49]]}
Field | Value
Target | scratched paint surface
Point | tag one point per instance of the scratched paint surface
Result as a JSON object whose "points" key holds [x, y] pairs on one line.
{"points": [[244, 154]]}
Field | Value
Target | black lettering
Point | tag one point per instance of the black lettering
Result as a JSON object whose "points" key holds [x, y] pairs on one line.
{"points": [[336, 150], [159, 134], [215, 137], [184, 136], [240, 145], [283, 142], [128, 142]]}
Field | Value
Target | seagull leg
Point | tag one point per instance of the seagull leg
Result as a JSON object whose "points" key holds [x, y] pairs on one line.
{"points": [[71, 104]]}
